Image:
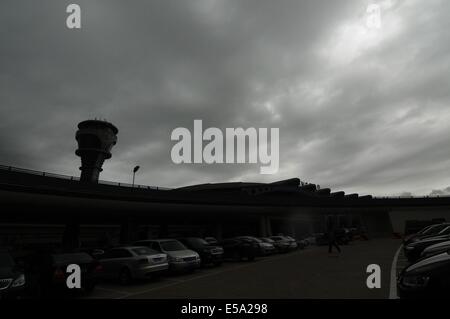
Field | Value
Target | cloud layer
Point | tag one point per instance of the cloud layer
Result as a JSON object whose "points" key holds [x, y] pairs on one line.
{"points": [[362, 110]]}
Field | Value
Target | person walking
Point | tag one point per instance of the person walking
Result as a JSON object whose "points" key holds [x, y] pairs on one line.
{"points": [[332, 241]]}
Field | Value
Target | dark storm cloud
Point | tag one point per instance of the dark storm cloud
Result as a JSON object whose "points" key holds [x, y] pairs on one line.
{"points": [[358, 109]]}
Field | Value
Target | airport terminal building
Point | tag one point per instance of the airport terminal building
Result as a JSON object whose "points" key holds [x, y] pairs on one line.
{"points": [[39, 207]]}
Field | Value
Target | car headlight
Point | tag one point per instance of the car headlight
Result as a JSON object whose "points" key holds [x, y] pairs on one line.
{"points": [[20, 281], [409, 247], [418, 281]]}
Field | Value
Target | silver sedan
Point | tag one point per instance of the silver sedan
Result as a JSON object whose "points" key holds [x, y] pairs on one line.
{"points": [[180, 257], [132, 262]]}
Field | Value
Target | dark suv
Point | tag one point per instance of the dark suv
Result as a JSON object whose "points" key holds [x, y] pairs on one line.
{"points": [[209, 254], [12, 279], [427, 278], [47, 272], [429, 231], [240, 248]]}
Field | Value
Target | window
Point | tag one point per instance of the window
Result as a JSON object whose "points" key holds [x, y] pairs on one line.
{"points": [[145, 243], [120, 253], [143, 251], [172, 245], [196, 242]]}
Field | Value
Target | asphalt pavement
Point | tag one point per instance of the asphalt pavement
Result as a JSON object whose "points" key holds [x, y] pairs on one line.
{"points": [[308, 273]]}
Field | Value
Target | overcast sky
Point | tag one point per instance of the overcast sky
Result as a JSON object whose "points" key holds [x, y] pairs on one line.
{"points": [[359, 109]]}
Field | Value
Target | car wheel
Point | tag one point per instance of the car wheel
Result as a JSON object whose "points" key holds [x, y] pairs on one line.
{"points": [[125, 276]]}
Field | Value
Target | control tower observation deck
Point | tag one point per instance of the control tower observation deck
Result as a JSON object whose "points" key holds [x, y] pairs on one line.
{"points": [[95, 140]]}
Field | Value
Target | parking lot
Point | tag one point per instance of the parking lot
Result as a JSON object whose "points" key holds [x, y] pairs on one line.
{"points": [[308, 273]]}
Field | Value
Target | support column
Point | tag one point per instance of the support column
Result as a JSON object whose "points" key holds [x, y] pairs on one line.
{"points": [[263, 227], [268, 226], [144, 233], [163, 230], [219, 231], [128, 231], [293, 230], [71, 236]]}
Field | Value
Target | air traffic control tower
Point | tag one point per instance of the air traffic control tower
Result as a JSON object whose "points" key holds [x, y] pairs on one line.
{"points": [[95, 140]]}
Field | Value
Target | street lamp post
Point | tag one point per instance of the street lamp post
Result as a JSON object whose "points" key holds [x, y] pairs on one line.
{"points": [[135, 169]]}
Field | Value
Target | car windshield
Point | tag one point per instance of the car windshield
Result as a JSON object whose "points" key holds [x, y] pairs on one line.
{"points": [[249, 238], [434, 229], [144, 251], [445, 231], [6, 260], [197, 241], [172, 245], [423, 231]]}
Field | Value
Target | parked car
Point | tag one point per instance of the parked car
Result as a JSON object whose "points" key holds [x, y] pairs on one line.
{"points": [[310, 239], [344, 236], [95, 253], [443, 232], [47, 272], [427, 278], [270, 241], [212, 241], [264, 248], [435, 249], [414, 249], [321, 239], [302, 243], [209, 254], [132, 262], [428, 231], [282, 244], [180, 257], [240, 248], [294, 244], [12, 278]]}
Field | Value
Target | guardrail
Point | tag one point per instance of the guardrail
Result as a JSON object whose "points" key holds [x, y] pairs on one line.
{"points": [[74, 178], [409, 197]]}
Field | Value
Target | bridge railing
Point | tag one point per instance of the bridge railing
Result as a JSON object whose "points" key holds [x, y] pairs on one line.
{"points": [[74, 178], [407, 197]]}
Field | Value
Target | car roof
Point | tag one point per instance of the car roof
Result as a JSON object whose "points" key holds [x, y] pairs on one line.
{"points": [[157, 240], [129, 247]]}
